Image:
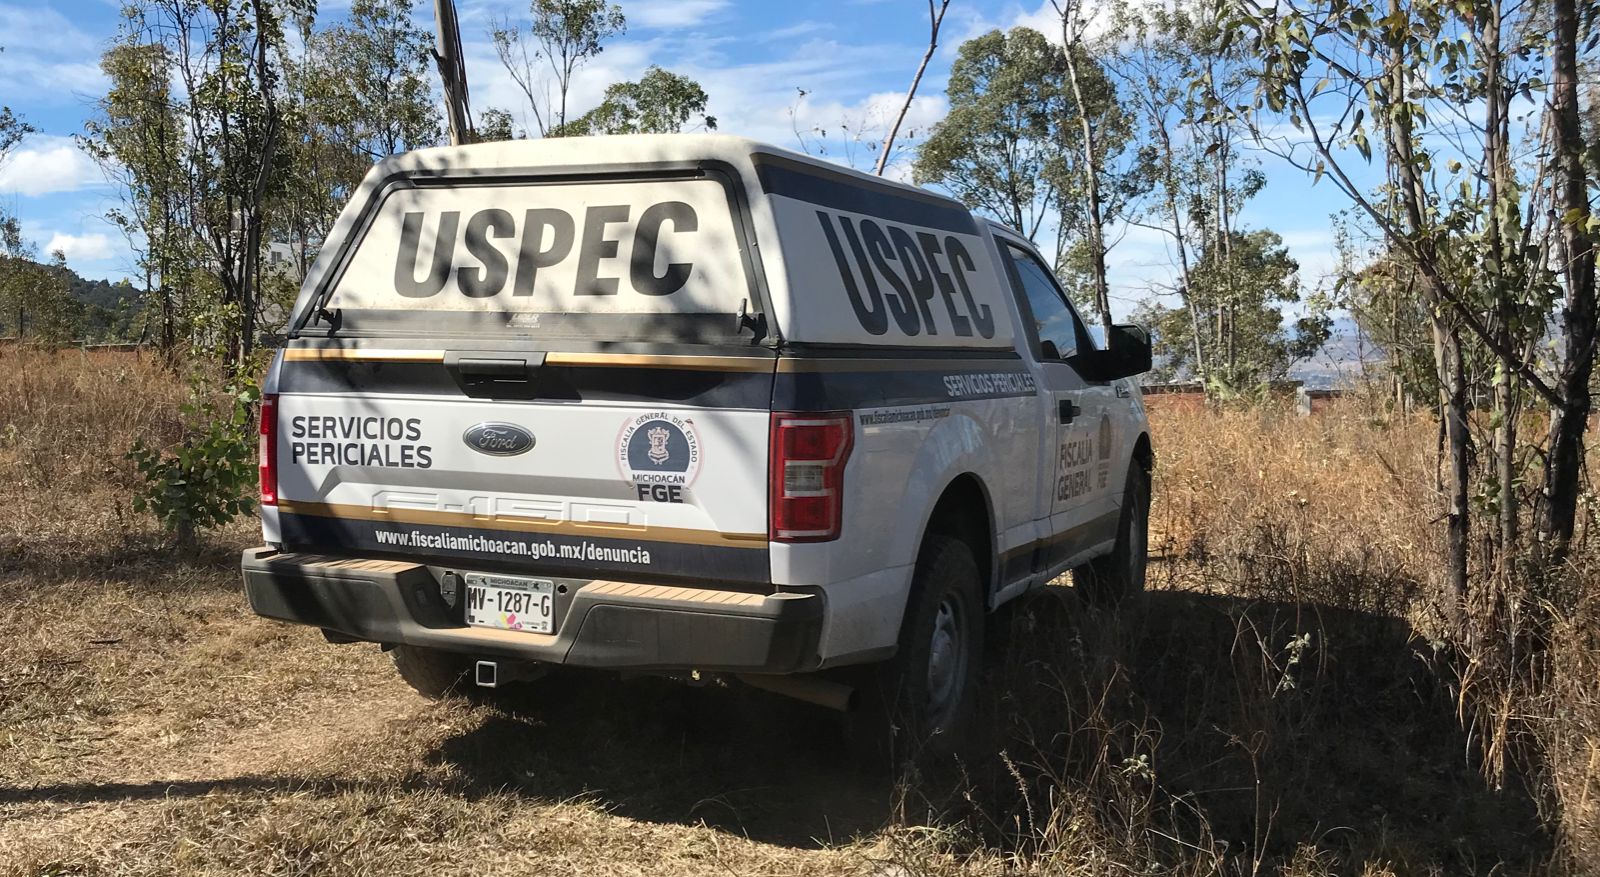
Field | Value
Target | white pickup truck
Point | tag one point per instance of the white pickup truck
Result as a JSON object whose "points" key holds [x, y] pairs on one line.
{"points": [[688, 404]]}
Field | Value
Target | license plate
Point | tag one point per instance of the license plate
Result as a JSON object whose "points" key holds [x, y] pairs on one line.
{"points": [[510, 603]]}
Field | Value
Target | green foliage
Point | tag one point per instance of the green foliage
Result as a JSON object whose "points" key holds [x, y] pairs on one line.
{"points": [[36, 303], [576, 28], [203, 481], [12, 130], [360, 92], [136, 137], [366, 83], [660, 102], [1239, 293], [495, 124], [1012, 144], [1382, 296], [561, 37], [1001, 148]]}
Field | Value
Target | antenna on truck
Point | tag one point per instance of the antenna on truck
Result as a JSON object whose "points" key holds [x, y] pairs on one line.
{"points": [[452, 71]]}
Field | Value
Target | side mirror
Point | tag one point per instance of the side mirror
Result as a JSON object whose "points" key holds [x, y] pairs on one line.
{"points": [[1127, 354]]}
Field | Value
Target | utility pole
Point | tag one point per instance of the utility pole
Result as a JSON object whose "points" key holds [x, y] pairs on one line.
{"points": [[452, 71]]}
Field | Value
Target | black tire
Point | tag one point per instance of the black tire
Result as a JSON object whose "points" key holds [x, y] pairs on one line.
{"points": [[921, 703], [434, 674], [1109, 580]]}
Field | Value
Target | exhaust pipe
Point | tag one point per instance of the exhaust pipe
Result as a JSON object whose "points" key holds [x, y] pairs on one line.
{"points": [[809, 688], [493, 674]]}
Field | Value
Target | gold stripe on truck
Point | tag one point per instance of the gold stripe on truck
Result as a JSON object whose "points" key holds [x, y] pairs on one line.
{"points": [[360, 354], [666, 592], [676, 535], [639, 360]]}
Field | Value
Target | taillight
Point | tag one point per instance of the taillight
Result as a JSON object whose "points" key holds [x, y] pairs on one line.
{"points": [[269, 449], [807, 484]]}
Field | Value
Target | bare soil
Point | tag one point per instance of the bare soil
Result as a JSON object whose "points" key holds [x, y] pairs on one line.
{"points": [[150, 724]]}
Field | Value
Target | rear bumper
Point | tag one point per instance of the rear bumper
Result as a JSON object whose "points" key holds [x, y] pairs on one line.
{"points": [[599, 623]]}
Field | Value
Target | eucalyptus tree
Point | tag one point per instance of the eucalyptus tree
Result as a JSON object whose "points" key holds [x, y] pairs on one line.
{"points": [[1000, 148], [137, 137], [1173, 66], [359, 93], [1255, 284], [1103, 127], [562, 35], [222, 63], [660, 102], [1497, 245]]}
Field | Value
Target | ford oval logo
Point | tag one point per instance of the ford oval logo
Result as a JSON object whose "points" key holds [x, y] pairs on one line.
{"points": [[498, 439]]}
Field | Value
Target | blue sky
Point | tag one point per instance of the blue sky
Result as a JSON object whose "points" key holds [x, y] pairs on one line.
{"points": [[853, 58]]}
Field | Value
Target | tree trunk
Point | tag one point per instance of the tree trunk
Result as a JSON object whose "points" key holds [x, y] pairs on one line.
{"points": [[935, 19], [1446, 336], [1168, 165], [1453, 396], [1091, 177], [1496, 141], [1569, 419]]}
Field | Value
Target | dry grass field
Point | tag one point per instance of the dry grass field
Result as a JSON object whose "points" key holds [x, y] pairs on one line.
{"points": [[1277, 704]]}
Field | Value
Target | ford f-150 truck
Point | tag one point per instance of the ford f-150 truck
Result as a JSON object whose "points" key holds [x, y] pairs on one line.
{"points": [[688, 404]]}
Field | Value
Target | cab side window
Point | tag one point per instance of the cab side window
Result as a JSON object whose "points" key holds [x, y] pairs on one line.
{"points": [[1055, 323]]}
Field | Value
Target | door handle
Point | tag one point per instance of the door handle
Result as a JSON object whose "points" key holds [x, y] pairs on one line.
{"points": [[480, 366], [493, 369], [1067, 411]]}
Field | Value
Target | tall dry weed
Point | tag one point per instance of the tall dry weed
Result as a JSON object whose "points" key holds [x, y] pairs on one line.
{"points": [[1285, 700], [1335, 509], [67, 418]]}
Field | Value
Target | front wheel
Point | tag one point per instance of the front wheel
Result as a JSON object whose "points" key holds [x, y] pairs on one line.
{"points": [[1109, 580], [922, 701]]}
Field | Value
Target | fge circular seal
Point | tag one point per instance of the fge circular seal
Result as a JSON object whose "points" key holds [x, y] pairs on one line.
{"points": [[659, 450]]}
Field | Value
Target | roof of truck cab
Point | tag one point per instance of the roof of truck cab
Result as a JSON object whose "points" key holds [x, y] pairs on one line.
{"points": [[615, 149]]}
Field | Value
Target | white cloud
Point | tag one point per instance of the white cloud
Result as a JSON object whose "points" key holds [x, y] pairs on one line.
{"points": [[47, 56], [1045, 20], [793, 31], [669, 14], [90, 247], [46, 163]]}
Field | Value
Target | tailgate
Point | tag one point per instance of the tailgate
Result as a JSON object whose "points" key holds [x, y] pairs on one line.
{"points": [[530, 369], [584, 464]]}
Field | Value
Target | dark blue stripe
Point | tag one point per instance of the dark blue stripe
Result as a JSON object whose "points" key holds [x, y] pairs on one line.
{"points": [[816, 186], [668, 560], [693, 387], [833, 391]]}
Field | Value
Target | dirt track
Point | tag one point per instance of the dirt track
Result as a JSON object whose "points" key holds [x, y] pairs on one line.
{"points": [[150, 725], [168, 731]]}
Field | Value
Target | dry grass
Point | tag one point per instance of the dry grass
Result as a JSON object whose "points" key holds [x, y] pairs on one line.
{"points": [[1275, 706]]}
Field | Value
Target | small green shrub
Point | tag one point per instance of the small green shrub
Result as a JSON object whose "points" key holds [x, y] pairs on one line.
{"points": [[203, 481]]}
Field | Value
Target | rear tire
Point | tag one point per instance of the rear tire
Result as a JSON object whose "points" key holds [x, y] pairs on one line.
{"points": [[1109, 580], [434, 674], [921, 702]]}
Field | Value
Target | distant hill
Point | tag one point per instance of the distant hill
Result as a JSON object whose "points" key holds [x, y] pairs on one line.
{"points": [[108, 311], [1341, 358], [1339, 362]]}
